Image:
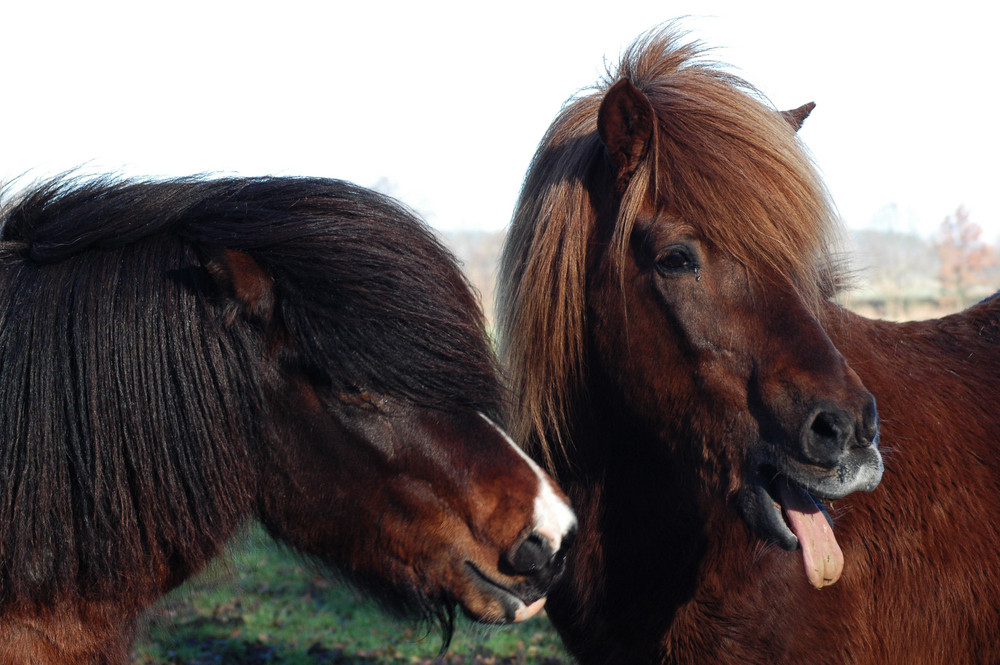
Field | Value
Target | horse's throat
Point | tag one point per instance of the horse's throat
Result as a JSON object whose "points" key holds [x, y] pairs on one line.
{"points": [[821, 554]]}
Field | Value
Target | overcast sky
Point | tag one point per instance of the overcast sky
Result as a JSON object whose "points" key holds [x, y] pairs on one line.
{"points": [[447, 101]]}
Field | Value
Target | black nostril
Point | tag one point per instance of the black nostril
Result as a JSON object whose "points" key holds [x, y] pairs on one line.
{"points": [[531, 556], [825, 438], [824, 427]]}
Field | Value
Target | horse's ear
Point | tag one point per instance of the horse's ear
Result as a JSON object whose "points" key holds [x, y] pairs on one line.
{"points": [[626, 124], [249, 288], [796, 117]]}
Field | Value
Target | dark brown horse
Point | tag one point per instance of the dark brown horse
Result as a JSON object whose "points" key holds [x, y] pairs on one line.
{"points": [[667, 323], [179, 357]]}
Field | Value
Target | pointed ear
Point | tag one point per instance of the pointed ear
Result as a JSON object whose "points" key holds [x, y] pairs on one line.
{"points": [[796, 117], [626, 124], [248, 287]]}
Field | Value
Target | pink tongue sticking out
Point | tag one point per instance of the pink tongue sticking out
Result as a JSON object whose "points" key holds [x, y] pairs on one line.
{"points": [[822, 556]]}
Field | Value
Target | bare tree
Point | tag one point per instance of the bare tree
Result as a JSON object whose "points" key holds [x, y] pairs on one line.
{"points": [[965, 258]]}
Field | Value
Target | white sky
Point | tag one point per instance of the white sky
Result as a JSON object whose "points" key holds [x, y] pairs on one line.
{"points": [[447, 101]]}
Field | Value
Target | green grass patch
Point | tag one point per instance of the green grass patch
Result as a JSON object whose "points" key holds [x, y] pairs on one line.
{"points": [[263, 604]]}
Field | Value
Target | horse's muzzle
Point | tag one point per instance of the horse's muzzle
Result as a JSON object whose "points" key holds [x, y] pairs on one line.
{"points": [[526, 575]]}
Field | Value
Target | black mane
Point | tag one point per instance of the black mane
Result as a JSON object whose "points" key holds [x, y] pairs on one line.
{"points": [[359, 277], [119, 368]]}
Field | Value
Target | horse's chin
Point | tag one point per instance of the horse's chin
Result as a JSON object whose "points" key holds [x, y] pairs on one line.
{"points": [[492, 601]]}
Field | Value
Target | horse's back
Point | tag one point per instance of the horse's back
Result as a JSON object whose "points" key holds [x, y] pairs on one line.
{"points": [[937, 386]]}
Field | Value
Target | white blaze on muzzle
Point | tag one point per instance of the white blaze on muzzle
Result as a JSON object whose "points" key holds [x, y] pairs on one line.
{"points": [[554, 518]]}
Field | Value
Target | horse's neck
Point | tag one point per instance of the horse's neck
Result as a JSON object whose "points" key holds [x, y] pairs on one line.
{"points": [[643, 533], [642, 481]]}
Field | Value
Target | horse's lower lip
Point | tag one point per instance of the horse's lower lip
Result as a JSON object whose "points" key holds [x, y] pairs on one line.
{"points": [[763, 513], [516, 608], [762, 507]]}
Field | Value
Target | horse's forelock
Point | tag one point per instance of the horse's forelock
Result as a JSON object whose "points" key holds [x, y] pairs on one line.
{"points": [[740, 176], [395, 315]]}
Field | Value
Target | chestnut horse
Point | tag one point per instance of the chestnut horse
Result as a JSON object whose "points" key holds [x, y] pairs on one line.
{"points": [[667, 324], [177, 357]]}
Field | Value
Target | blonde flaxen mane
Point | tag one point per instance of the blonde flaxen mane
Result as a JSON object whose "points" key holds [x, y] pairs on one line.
{"points": [[722, 160]]}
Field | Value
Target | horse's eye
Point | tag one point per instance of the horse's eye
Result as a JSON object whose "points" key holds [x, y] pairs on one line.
{"points": [[674, 260]]}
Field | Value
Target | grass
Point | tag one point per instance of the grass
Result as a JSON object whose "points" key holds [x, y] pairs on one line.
{"points": [[262, 604]]}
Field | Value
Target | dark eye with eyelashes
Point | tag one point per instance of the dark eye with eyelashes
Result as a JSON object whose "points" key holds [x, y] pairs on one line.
{"points": [[676, 260]]}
